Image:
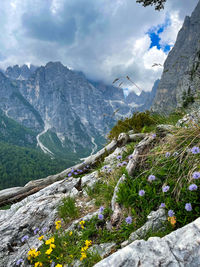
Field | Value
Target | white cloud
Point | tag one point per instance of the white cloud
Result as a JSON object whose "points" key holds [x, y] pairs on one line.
{"points": [[105, 39]]}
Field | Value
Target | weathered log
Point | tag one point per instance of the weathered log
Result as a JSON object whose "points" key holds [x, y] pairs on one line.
{"points": [[16, 194]]}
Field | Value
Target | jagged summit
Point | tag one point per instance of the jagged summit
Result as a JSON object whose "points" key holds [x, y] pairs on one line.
{"points": [[181, 66]]}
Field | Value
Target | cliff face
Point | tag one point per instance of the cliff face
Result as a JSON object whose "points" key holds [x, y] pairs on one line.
{"points": [[181, 68]]}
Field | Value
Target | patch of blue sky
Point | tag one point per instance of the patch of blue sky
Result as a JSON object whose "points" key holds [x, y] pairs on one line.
{"points": [[154, 33]]}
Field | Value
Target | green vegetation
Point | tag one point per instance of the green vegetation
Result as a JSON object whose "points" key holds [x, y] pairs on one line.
{"points": [[68, 210], [19, 165], [187, 98], [143, 122]]}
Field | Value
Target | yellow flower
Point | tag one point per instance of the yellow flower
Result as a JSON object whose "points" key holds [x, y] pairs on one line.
{"points": [[70, 233], [83, 256], [84, 249], [38, 264], [172, 220], [58, 265], [48, 252], [88, 243], [52, 246], [41, 237], [58, 224], [32, 253], [71, 256], [49, 241], [82, 222]]}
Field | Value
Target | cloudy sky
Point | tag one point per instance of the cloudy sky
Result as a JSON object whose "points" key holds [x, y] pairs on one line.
{"points": [[105, 39]]}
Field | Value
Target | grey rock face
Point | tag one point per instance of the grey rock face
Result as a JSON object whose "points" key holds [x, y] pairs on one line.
{"points": [[181, 248], [181, 67], [191, 119]]}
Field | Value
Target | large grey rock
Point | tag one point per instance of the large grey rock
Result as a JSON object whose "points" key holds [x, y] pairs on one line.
{"points": [[38, 210], [181, 248], [191, 119]]}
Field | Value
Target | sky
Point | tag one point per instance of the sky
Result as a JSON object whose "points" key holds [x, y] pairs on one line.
{"points": [[105, 39]]}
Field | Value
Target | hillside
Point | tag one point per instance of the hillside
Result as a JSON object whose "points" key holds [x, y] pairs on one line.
{"points": [[138, 186]]}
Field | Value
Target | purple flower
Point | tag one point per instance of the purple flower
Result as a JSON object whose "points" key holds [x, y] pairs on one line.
{"points": [[119, 165], [141, 193], [130, 156], [124, 163], [195, 150], [100, 216], [19, 262], [24, 238], [162, 205], [196, 175], [192, 187], [167, 155], [80, 171], [72, 170], [171, 213], [154, 135], [165, 188], [88, 166], [119, 157], [36, 231], [75, 173], [151, 178], [105, 167], [129, 220], [69, 174], [109, 170], [101, 209], [44, 230], [188, 206]]}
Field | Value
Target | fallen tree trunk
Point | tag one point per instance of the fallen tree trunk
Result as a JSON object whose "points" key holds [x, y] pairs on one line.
{"points": [[12, 195]]}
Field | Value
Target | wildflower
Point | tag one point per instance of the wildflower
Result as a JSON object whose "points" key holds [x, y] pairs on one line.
{"points": [[75, 173], [58, 265], [130, 156], [69, 174], [119, 165], [44, 230], [105, 167], [72, 170], [196, 175], [33, 253], [195, 150], [167, 155], [71, 233], [151, 178], [170, 213], [141, 193], [88, 243], [119, 157], [109, 170], [172, 220], [188, 206], [52, 246], [40, 237], [101, 209], [128, 220], [48, 252], [50, 241], [124, 163], [24, 238], [36, 231], [165, 188], [192, 187], [100, 216], [19, 262], [88, 166], [154, 135], [162, 205], [83, 256], [38, 264], [82, 224], [58, 224]]}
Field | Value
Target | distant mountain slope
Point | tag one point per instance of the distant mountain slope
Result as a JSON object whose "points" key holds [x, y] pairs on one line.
{"points": [[182, 66]]}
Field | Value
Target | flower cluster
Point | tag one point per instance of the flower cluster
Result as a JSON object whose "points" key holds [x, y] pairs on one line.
{"points": [[82, 224], [51, 244], [84, 249], [129, 220], [58, 224]]}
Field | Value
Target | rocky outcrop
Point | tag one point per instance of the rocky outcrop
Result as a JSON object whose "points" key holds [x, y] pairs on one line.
{"points": [[182, 66], [180, 248]]}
